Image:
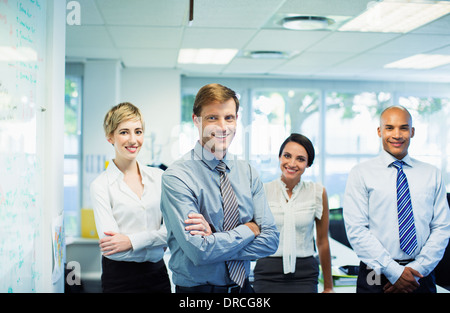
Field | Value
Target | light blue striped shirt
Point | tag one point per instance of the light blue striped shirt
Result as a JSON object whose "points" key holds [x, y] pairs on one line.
{"points": [[370, 214], [192, 184]]}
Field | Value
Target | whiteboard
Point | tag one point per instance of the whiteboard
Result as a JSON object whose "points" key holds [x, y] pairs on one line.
{"points": [[22, 89]]}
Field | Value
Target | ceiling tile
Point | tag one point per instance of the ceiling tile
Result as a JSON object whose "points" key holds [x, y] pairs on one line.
{"points": [[88, 36], [158, 58], [354, 42], [144, 12], [413, 43], [145, 37], [318, 59], [444, 50], [233, 13], [92, 53], [324, 7], [251, 66], [368, 61], [89, 14], [408, 75], [285, 40], [144, 33], [310, 63], [199, 69], [216, 38], [440, 26]]}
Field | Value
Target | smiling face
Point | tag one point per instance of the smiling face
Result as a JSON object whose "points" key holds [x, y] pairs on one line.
{"points": [[396, 131], [293, 162], [127, 139], [217, 126]]}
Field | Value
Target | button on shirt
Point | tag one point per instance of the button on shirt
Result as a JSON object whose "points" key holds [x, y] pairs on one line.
{"points": [[117, 208], [370, 215], [191, 184]]}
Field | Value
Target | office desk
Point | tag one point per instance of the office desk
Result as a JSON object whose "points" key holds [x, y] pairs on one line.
{"points": [[342, 255]]}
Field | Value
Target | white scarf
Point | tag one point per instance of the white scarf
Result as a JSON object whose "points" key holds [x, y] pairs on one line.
{"points": [[289, 234], [289, 251]]}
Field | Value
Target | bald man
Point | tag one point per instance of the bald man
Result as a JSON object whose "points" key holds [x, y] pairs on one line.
{"points": [[396, 213]]}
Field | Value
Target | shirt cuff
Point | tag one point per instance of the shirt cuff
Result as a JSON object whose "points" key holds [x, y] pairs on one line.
{"points": [[415, 265], [246, 233], [137, 241], [393, 271]]}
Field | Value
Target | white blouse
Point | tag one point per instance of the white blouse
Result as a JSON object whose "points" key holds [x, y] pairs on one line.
{"points": [[117, 208], [295, 218]]}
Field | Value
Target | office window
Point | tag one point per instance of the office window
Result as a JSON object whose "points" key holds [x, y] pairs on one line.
{"points": [[341, 119], [431, 120], [275, 115], [188, 132], [72, 155], [350, 135]]}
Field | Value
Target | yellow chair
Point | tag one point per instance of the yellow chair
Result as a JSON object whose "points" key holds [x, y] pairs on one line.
{"points": [[88, 229]]}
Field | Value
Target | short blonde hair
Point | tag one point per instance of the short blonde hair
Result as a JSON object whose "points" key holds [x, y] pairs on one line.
{"points": [[124, 111]]}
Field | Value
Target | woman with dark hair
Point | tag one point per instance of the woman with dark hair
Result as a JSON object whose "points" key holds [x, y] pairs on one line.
{"points": [[297, 206]]}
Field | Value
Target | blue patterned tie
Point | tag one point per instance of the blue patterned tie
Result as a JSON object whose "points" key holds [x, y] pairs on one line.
{"points": [[407, 230], [236, 268]]}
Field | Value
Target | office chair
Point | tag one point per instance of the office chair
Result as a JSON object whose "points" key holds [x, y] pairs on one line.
{"points": [[442, 270]]}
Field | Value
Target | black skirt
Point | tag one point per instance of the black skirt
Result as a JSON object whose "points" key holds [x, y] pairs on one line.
{"points": [[134, 277], [269, 276]]}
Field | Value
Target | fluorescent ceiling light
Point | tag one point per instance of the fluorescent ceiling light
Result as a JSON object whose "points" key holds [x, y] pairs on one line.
{"points": [[206, 56], [397, 16], [420, 61]]}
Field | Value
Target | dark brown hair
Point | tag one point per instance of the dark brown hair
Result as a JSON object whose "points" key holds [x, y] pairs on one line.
{"points": [[302, 141]]}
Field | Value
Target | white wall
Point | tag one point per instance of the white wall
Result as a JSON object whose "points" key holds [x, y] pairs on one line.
{"points": [[157, 93], [52, 142], [101, 92]]}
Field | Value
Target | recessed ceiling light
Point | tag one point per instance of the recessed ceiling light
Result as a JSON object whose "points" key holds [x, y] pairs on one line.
{"points": [[397, 16], [263, 54], [206, 56], [420, 61], [306, 22]]}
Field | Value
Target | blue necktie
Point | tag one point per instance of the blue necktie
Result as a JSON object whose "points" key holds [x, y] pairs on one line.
{"points": [[407, 230], [236, 269]]}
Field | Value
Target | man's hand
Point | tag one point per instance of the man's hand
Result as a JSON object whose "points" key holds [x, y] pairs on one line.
{"points": [[198, 225], [253, 227], [406, 283], [114, 242]]}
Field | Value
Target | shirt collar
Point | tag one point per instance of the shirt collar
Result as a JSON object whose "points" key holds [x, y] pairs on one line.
{"points": [[113, 173], [388, 159], [296, 189], [200, 153]]}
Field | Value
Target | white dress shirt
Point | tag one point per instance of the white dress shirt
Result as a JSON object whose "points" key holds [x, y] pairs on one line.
{"points": [[370, 215], [117, 208], [295, 218]]}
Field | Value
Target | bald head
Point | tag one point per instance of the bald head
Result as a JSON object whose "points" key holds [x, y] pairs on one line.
{"points": [[396, 131], [398, 108]]}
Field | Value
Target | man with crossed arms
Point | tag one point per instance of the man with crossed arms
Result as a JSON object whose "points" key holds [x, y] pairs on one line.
{"points": [[211, 253]]}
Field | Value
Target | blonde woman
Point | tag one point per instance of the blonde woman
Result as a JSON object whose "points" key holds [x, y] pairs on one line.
{"points": [[125, 200]]}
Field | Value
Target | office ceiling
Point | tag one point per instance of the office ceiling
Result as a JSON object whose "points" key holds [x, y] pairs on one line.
{"points": [[150, 33]]}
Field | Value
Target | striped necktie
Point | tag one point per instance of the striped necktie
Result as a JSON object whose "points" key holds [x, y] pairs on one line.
{"points": [[236, 268], [407, 230]]}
